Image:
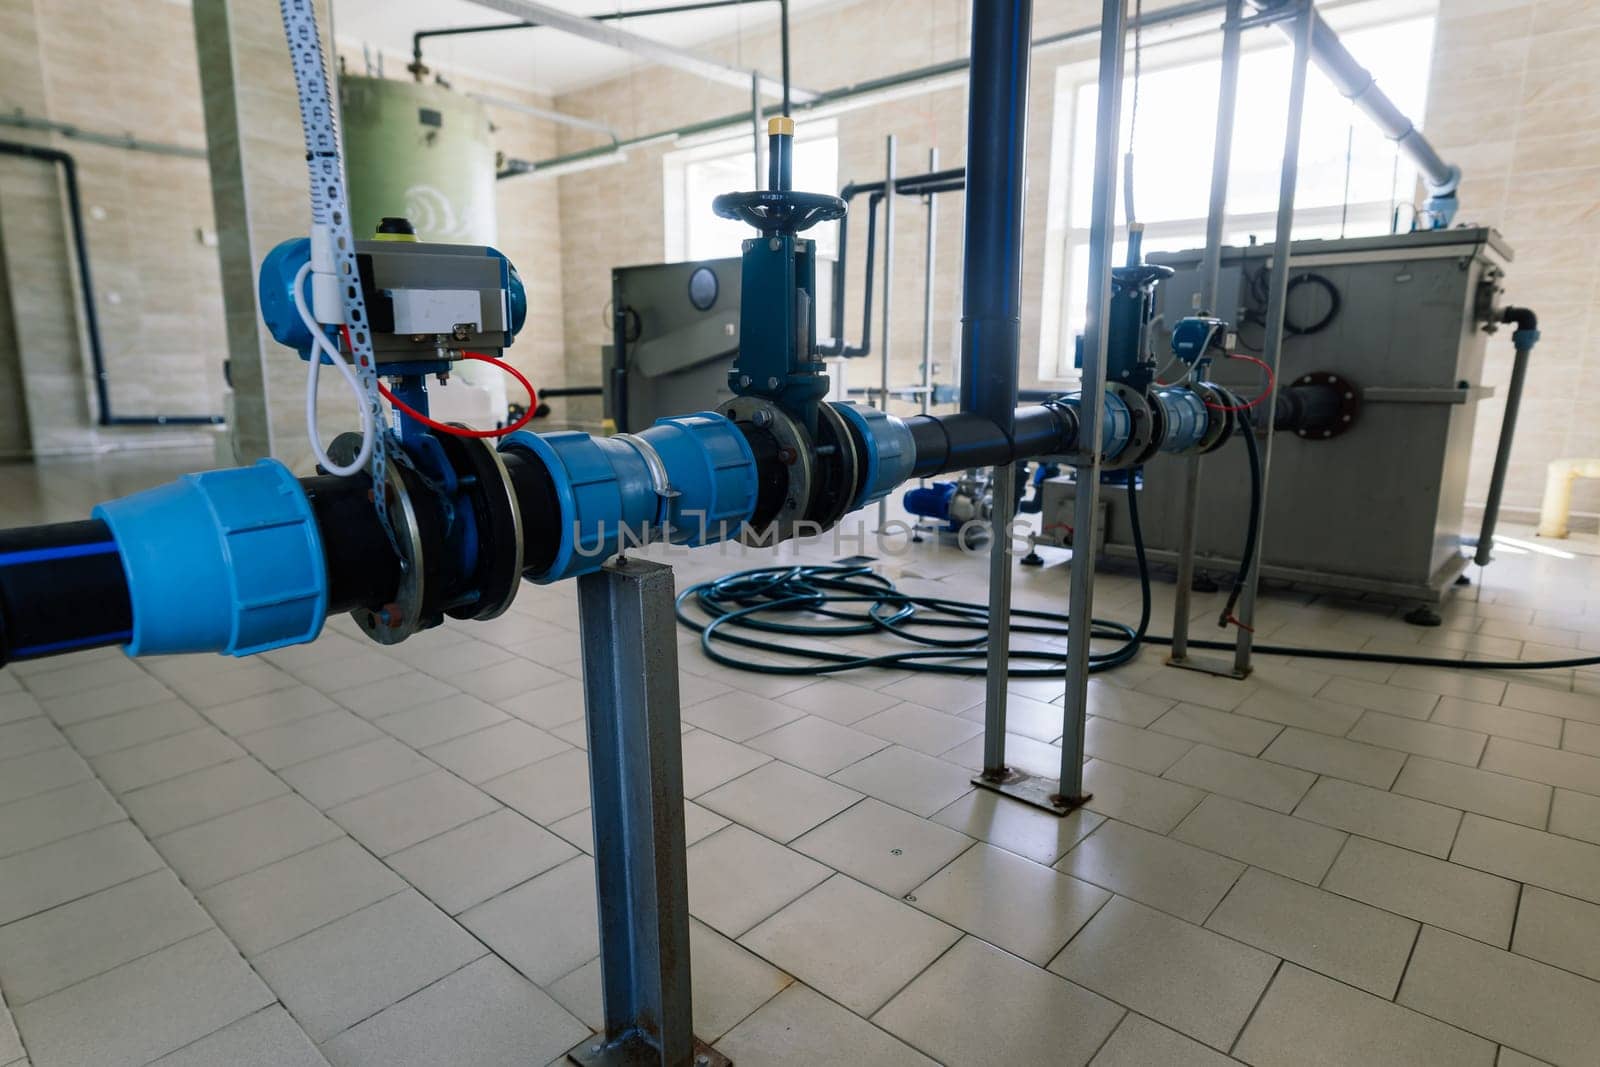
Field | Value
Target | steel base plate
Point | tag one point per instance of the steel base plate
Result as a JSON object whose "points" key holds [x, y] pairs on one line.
{"points": [[1042, 793], [635, 1051], [1222, 668]]}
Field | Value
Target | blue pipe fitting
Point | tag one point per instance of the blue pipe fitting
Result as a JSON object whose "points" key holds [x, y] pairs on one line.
{"points": [[890, 452], [1116, 423], [712, 474], [692, 477], [932, 502], [223, 561], [275, 292], [1186, 419]]}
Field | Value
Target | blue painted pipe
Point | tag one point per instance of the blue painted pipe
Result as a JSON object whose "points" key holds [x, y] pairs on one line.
{"points": [[997, 117]]}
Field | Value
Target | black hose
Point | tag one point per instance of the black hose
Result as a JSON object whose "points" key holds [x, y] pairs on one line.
{"points": [[1248, 556], [735, 601]]}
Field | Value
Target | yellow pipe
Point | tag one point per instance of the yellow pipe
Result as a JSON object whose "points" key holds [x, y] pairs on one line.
{"points": [[1557, 502]]}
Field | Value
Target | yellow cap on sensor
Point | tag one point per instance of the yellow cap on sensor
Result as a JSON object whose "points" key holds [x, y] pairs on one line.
{"points": [[780, 125]]}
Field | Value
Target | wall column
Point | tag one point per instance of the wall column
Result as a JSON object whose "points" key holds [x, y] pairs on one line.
{"points": [[258, 182]]}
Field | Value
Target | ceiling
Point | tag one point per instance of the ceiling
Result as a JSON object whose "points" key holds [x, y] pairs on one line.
{"points": [[542, 60]]}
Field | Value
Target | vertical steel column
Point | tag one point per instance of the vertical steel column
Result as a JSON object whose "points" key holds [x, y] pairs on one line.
{"points": [[991, 280], [927, 288], [991, 305], [890, 146], [630, 689], [1210, 272], [1278, 292], [1086, 496], [755, 123]]}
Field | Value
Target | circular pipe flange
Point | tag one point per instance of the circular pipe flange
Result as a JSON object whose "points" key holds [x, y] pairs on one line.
{"points": [[1348, 396], [1219, 427], [501, 574], [835, 488], [393, 622], [794, 452], [1143, 441]]}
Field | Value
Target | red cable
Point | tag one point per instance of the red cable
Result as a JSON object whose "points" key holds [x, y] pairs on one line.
{"points": [[1271, 382], [459, 431]]}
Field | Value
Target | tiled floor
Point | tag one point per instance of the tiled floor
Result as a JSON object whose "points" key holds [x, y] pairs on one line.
{"points": [[360, 856]]}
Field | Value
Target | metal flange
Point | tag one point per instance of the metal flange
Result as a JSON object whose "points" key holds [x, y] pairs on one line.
{"points": [[1143, 441], [1348, 395], [794, 453], [1219, 428], [392, 623]]}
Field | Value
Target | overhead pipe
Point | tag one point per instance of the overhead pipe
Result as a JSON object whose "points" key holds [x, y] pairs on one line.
{"points": [[1357, 85], [868, 87]]}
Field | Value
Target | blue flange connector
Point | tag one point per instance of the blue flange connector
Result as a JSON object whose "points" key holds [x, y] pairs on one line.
{"points": [[223, 561], [690, 479], [1116, 422], [890, 451]]}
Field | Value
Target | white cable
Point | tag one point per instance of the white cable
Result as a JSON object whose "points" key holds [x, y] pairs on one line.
{"points": [[320, 344]]}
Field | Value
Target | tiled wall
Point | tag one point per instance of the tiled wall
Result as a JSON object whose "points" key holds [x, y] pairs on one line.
{"points": [[120, 68], [159, 285], [1514, 99]]}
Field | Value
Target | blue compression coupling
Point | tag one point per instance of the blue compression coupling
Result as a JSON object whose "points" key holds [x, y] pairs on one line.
{"points": [[223, 561], [691, 478], [1116, 423], [1186, 419], [890, 451]]}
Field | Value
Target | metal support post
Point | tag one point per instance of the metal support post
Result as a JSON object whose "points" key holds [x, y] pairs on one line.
{"points": [[927, 287], [630, 688], [997, 650], [1211, 270], [891, 143], [1102, 234], [1278, 292], [755, 128]]}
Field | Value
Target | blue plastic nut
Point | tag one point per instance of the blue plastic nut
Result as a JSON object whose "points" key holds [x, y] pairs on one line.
{"points": [[223, 561], [275, 291], [1116, 423], [891, 453], [611, 497], [1186, 419], [712, 474]]}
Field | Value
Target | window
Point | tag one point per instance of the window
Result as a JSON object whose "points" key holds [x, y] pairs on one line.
{"points": [[696, 176], [1350, 181]]}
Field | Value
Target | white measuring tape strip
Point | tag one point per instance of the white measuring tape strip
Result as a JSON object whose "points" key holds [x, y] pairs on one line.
{"points": [[336, 280]]}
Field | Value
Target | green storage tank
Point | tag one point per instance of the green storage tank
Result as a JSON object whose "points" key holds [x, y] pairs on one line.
{"points": [[421, 151]]}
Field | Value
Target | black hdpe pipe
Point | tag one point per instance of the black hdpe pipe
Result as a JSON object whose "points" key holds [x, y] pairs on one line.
{"points": [[939, 181], [91, 321], [1527, 335], [991, 286], [990, 430], [61, 589]]}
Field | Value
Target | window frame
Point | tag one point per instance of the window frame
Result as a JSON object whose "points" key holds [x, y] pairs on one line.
{"points": [[1057, 349]]}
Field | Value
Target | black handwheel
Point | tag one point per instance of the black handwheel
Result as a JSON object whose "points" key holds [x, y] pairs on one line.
{"points": [[779, 212]]}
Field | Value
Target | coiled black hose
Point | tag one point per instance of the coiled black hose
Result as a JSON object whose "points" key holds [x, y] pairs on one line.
{"points": [[737, 602]]}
